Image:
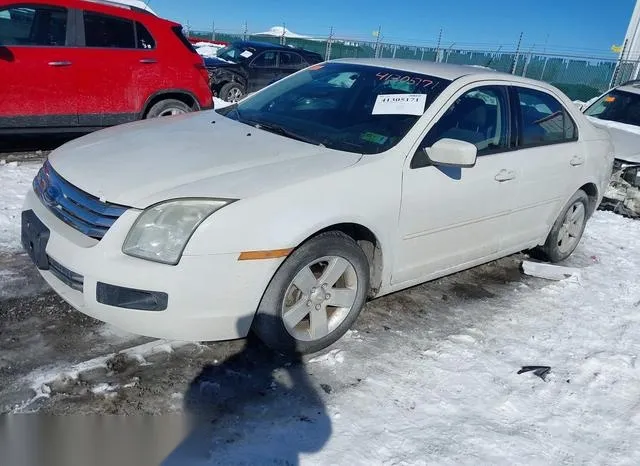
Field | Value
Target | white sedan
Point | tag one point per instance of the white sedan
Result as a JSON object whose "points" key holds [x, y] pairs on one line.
{"points": [[284, 213]]}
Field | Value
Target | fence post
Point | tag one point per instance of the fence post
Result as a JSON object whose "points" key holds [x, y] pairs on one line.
{"points": [[213, 30], [517, 56], [438, 46], [377, 47], [327, 54], [616, 70], [244, 31]]}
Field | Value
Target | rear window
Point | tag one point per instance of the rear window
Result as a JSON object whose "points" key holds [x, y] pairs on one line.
{"points": [[177, 30], [108, 31], [144, 39]]}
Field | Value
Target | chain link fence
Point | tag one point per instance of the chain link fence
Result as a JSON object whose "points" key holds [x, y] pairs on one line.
{"points": [[580, 77]]}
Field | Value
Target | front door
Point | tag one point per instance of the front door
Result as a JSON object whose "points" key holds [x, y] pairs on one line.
{"points": [[37, 72], [263, 71], [455, 216]]}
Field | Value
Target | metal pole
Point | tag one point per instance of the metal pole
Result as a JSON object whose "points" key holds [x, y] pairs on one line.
{"points": [[517, 56], [614, 78], [422, 57], [282, 37], [213, 30], [377, 47], [438, 46], [528, 60], [327, 54], [449, 52], [544, 67]]}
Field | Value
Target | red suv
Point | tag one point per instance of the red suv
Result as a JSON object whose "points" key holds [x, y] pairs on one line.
{"points": [[86, 64]]}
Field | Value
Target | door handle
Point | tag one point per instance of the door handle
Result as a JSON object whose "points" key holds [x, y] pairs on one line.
{"points": [[60, 63], [576, 160], [505, 175], [148, 61]]}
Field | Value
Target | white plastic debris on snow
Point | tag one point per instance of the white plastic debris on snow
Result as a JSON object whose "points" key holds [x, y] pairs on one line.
{"points": [[549, 271], [15, 181]]}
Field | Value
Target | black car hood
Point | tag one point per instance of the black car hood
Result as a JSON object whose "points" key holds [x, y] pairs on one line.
{"points": [[213, 62]]}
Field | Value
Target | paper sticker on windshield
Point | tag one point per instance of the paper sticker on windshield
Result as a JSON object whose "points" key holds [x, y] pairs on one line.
{"points": [[373, 137], [246, 54], [399, 104]]}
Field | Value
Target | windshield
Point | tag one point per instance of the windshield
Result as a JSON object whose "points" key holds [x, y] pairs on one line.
{"points": [[354, 108], [234, 53], [617, 105]]}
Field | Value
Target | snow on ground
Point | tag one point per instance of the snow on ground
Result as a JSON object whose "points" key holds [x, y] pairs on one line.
{"points": [[15, 181], [461, 401]]}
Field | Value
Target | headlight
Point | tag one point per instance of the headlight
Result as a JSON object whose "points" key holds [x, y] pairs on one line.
{"points": [[161, 232]]}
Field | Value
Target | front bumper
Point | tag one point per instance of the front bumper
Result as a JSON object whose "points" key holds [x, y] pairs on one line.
{"points": [[209, 297]]}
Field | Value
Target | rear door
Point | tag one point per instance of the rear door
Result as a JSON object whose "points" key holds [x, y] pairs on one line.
{"points": [[263, 70], [550, 162], [37, 72], [289, 63], [117, 65]]}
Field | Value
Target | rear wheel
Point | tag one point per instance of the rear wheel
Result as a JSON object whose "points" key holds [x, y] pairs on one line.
{"points": [[232, 92], [168, 107], [315, 296], [567, 230]]}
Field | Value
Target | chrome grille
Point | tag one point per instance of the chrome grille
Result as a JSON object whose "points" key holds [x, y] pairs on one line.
{"points": [[84, 212]]}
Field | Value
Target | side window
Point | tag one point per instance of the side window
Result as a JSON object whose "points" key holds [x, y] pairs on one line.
{"points": [[37, 25], [144, 37], [108, 31], [479, 116], [265, 60], [291, 61], [543, 120]]}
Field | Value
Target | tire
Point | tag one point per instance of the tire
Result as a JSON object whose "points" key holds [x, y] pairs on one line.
{"points": [[558, 245], [168, 107], [309, 299], [232, 92]]}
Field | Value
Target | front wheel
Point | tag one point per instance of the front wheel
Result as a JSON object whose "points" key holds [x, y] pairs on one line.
{"points": [[567, 230], [315, 296], [232, 92]]}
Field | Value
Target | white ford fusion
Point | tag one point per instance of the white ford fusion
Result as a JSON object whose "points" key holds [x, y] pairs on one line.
{"points": [[284, 213]]}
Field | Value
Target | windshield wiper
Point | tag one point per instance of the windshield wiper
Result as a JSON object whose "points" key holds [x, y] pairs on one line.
{"points": [[284, 132]]}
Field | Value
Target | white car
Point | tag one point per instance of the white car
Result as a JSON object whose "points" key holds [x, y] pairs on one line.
{"points": [[284, 213], [618, 111]]}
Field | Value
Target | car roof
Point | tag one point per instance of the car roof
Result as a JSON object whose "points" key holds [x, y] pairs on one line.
{"points": [[438, 70], [268, 45]]}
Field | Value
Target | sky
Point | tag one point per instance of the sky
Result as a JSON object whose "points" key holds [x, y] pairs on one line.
{"points": [[579, 26]]}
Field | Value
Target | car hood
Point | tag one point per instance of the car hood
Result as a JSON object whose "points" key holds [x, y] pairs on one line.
{"points": [[214, 62], [625, 138], [142, 163]]}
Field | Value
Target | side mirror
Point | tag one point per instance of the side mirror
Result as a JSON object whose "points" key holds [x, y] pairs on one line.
{"points": [[452, 153]]}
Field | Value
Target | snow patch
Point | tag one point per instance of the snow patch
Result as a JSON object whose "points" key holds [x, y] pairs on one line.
{"points": [[15, 180], [331, 358]]}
